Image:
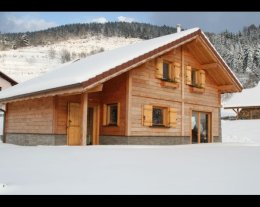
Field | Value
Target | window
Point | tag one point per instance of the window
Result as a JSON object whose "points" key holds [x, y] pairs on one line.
{"points": [[166, 69], [111, 114], [194, 77], [0, 88], [158, 116]]}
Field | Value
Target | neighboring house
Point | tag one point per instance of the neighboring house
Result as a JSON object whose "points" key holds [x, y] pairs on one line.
{"points": [[5, 82], [160, 91], [246, 104]]}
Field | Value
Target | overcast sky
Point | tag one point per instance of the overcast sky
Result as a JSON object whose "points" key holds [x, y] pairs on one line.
{"points": [[207, 21]]}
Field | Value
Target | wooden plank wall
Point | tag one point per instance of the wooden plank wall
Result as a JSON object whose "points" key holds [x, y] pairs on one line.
{"points": [[114, 91], [146, 89], [30, 116]]}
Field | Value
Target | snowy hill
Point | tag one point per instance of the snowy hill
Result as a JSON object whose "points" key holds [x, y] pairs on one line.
{"points": [[28, 62]]}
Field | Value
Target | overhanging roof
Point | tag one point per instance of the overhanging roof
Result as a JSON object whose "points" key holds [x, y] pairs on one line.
{"points": [[99, 67], [248, 98]]}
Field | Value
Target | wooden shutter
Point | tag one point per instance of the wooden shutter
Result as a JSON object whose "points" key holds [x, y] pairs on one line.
{"points": [[104, 115], [148, 115], [159, 68], [172, 117], [118, 114], [188, 75], [202, 78], [176, 69]]}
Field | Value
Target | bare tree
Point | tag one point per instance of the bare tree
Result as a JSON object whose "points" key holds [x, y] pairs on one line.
{"points": [[52, 53], [65, 56]]}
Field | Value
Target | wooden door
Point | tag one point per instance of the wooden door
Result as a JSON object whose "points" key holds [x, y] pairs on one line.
{"points": [[74, 129]]}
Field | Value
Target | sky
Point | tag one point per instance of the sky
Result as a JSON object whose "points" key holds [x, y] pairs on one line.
{"points": [[207, 21]]}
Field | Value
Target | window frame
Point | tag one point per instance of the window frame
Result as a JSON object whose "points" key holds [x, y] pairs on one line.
{"points": [[109, 106], [194, 71], [164, 116], [107, 114], [169, 68]]}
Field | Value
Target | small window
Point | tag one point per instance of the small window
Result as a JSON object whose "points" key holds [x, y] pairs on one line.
{"points": [[194, 77], [112, 114], [158, 116], [166, 69]]}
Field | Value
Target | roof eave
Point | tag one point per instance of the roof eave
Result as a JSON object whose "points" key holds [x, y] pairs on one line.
{"points": [[53, 91]]}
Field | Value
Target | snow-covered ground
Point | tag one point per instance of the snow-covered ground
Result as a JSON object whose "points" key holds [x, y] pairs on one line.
{"points": [[241, 131], [227, 168], [25, 63]]}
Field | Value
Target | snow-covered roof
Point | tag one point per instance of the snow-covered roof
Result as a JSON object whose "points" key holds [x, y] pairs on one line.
{"points": [[248, 97], [87, 69]]}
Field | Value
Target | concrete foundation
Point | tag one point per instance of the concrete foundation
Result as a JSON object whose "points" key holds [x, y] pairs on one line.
{"points": [[122, 140], [36, 139]]}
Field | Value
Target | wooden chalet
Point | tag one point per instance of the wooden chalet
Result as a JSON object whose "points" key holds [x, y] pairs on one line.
{"points": [[161, 91]]}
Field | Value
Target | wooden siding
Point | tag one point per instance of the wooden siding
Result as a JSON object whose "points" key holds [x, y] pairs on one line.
{"points": [[147, 89], [31, 116], [114, 91]]}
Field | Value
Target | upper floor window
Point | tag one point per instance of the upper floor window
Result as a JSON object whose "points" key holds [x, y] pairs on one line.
{"points": [[194, 77], [166, 71]]}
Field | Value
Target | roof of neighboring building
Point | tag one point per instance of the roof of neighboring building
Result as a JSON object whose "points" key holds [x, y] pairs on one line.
{"points": [[7, 78], [247, 98], [88, 71]]}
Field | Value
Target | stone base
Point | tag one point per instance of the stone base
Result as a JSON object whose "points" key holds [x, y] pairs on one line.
{"points": [[36, 139], [217, 139], [134, 140]]}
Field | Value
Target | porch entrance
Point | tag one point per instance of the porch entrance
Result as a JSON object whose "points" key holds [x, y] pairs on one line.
{"points": [[200, 127], [93, 125], [74, 124]]}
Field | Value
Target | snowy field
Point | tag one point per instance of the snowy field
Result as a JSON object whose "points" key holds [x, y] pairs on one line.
{"points": [[227, 168]]}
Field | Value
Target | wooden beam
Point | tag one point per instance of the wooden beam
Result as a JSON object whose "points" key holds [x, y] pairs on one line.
{"points": [[210, 66], [65, 92], [226, 87], [55, 113], [84, 112], [182, 91], [96, 88], [128, 103]]}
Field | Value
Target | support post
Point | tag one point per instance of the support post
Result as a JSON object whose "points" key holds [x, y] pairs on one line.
{"points": [[84, 112], [182, 91]]}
